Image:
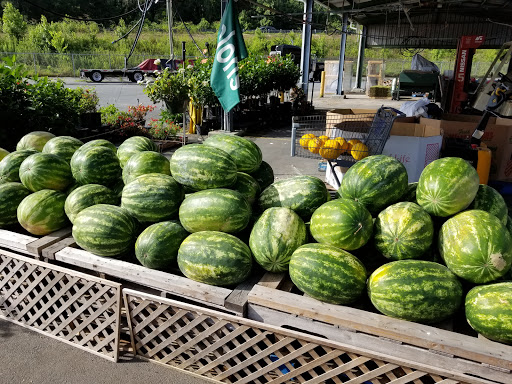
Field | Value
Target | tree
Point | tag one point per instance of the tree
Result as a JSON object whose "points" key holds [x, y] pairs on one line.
{"points": [[13, 22]]}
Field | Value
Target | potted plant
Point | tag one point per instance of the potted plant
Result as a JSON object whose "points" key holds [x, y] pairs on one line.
{"points": [[170, 87], [88, 101]]}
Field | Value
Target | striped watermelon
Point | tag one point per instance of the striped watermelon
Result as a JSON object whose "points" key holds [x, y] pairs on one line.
{"points": [[98, 143], [410, 193], [215, 258], [34, 140], [264, 175], [376, 181], [105, 230], [342, 223], [247, 186], [303, 194], [133, 145], [220, 209], [117, 187], [42, 212], [45, 171], [447, 186], [95, 165], [488, 199], [489, 311], [11, 195], [246, 154], [142, 163], [62, 146], [157, 246], [10, 165], [509, 224], [87, 195], [152, 198], [403, 231], [327, 273], [415, 290], [275, 236], [201, 167], [476, 246]]}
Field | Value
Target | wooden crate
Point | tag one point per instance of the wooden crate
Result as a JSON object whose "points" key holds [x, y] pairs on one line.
{"points": [[272, 302], [230, 349], [29, 244], [75, 308], [231, 300]]}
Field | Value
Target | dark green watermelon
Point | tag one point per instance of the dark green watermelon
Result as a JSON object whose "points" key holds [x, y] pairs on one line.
{"points": [[45, 171], [245, 153], [488, 199], [142, 163], [11, 195], [86, 196], [95, 165], [264, 175], [133, 145], [62, 146], [10, 165], [247, 186]]}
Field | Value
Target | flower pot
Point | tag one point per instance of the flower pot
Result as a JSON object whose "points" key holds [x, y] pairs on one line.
{"points": [[174, 106], [90, 120]]}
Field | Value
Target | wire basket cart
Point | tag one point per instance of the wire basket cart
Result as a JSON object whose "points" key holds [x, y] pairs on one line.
{"points": [[342, 139]]}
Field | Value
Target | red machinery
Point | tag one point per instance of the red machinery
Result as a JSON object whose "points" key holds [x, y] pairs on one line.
{"points": [[466, 48]]}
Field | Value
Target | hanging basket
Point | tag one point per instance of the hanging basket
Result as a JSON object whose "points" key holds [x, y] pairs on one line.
{"points": [[175, 106]]}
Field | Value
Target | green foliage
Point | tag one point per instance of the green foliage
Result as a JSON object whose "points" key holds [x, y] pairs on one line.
{"points": [[170, 87], [88, 100], [13, 23]]}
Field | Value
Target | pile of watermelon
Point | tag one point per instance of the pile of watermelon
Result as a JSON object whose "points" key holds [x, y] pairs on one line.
{"points": [[420, 252]]}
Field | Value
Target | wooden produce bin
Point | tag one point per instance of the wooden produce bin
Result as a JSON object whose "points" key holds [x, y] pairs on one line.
{"points": [[29, 244], [457, 356]]}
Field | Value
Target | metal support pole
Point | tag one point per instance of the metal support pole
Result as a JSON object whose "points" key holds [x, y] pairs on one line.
{"points": [[169, 22], [360, 57], [227, 121], [306, 45], [184, 53], [343, 44]]}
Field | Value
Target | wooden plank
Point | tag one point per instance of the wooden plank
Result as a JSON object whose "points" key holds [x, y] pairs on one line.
{"points": [[15, 241], [35, 247], [272, 280], [49, 252], [237, 299], [471, 348], [177, 285]]}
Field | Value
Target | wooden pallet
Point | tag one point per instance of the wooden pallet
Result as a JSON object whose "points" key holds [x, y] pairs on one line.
{"points": [[230, 349], [75, 308], [232, 300], [271, 301], [29, 244]]}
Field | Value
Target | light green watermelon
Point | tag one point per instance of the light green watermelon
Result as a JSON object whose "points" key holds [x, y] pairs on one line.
{"points": [[476, 246], [415, 290], [152, 198], [342, 223], [10, 165], [304, 194], [403, 231], [142, 163], [246, 154], [98, 143], [447, 186], [488, 199], [277, 233], [247, 186], [11, 195], [45, 171], [375, 181], [264, 175], [95, 165], [62, 146], [3, 153], [157, 246], [219, 209], [86, 196], [215, 258], [34, 140], [42, 212], [327, 273], [133, 145], [489, 311]]}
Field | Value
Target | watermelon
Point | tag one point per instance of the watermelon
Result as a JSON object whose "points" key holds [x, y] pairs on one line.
{"points": [[34, 140], [342, 223], [415, 290], [95, 165], [447, 186], [303, 194], [247, 186], [488, 199], [220, 209], [42, 212], [117, 187], [489, 311], [62, 146], [3, 153], [87, 195], [105, 230], [275, 236], [403, 231], [11, 195], [10, 165], [133, 145], [152, 198], [157, 246], [508, 225], [476, 246], [142, 163], [246, 154], [201, 167], [410, 193], [264, 175], [215, 258], [98, 143], [327, 273], [375, 181], [45, 171]]}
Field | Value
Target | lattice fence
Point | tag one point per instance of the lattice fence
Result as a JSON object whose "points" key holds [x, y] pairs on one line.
{"points": [[229, 349], [78, 309]]}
